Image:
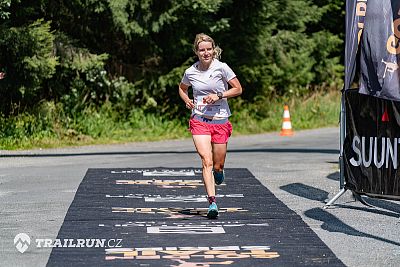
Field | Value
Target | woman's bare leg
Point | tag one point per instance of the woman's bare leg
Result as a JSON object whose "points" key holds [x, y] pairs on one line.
{"points": [[204, 148], [219, 155]]}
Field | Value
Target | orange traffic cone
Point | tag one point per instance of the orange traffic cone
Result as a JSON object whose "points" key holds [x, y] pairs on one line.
{"points": [[286, 124]]}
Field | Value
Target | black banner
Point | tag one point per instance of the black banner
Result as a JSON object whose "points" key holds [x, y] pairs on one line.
{"points": [[379, 49], [355, 14], [371, 146]]}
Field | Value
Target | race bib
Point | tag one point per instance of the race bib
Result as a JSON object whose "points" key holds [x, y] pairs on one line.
{"points": [[203, 107]]}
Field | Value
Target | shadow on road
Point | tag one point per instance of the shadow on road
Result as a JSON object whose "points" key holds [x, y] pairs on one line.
{"points": [[309, 192], [306, 191], [332, 223], [334, 176]]}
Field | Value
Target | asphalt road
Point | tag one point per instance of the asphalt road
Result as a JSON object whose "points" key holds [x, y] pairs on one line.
{"points": [[38, 186]]}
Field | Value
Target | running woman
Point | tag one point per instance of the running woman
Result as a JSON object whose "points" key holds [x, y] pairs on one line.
{"points": [[212, 82]]}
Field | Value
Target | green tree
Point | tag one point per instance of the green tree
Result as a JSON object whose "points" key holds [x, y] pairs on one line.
{"points": [[4, 5], [135, 52], [28, 60]]}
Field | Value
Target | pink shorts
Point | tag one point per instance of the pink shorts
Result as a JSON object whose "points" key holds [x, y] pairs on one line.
{"points": [[220, 130]]}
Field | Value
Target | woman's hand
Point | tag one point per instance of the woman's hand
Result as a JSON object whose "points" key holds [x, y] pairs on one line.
{"points": [[183, 93], [189, 104], [211, 98]]}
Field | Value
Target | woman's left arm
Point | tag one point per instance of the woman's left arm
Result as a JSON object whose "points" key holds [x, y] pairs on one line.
{"points": [[235, 90]]}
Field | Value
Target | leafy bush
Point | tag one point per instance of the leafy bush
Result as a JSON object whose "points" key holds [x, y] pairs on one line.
{"points": [[4, 5], [26, 53]]}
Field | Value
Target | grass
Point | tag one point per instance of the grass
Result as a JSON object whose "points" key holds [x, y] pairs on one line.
{"points": [[316, 111], [50, 127]]}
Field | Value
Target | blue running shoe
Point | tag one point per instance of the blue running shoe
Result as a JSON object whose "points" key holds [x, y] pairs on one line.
{"points": [[212, 211], [219, 177]]}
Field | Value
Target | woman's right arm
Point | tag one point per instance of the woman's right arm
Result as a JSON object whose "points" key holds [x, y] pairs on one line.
{"points": [[183, 93]]}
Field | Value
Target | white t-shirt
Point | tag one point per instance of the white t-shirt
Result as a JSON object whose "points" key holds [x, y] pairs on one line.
{"points": [[214, 79]]}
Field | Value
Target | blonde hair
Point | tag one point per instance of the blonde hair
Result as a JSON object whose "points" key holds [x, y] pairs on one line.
{"points": [[201, 37]]}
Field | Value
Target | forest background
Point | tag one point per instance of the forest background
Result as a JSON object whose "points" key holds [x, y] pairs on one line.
{"points": [[105, 71]]}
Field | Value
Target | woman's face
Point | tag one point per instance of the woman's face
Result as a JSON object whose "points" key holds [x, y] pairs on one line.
{"points": [[205, 52]]}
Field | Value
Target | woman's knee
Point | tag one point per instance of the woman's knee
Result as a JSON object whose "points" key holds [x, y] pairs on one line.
{"points": [[207, 162]]}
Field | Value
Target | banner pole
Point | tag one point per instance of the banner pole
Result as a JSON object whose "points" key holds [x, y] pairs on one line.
{"points": [[339, 194], [342, 136]]}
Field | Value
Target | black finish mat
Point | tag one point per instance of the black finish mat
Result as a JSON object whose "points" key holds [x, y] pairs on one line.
{"points": [[157, 217]]}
